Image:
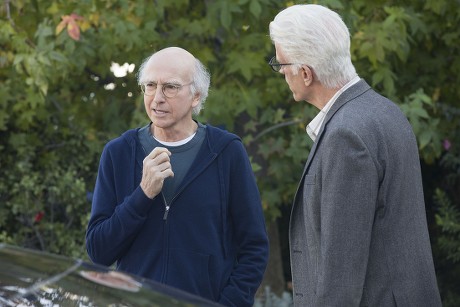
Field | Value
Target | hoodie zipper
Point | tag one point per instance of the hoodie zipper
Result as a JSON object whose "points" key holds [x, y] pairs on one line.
{"points": [[167, 206]]}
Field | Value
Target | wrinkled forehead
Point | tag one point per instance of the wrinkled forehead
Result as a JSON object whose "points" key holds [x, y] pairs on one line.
{"points": [[169, 67]]}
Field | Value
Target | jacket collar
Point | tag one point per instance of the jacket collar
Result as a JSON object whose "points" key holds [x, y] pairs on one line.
{"points": [[354, 91]]}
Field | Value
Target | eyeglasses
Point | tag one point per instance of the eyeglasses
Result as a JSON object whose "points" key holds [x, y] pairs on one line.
{"points": [[170, 90], [276, 66]]}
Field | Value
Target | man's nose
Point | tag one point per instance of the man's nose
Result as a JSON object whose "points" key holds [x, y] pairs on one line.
{"points": [[159, 96]]}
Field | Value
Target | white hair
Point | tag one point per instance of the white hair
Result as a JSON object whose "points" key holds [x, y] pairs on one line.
{"points": [[200, 83], [314, 35]]}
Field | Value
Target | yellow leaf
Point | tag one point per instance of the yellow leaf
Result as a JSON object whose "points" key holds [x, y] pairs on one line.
{"points": [[53, 9], [84, 25], [60, 27], [94, 19]]}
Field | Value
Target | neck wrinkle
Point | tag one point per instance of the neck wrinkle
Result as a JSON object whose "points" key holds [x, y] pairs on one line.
{"points": [[171, 135]]}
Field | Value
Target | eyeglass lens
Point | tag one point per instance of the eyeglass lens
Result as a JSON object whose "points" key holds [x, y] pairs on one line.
{"points": [[274, 64], [168, 89]]}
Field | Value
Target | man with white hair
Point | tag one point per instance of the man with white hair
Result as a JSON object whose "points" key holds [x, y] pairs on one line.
{"points": [[358, 231]]}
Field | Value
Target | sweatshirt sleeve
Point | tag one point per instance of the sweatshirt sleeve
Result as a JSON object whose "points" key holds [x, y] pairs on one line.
{"points": [[249, 231], [115, 220]]}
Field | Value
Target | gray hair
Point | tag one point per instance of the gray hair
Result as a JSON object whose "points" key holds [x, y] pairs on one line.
{"points": [[200, 83], [316, 36]]}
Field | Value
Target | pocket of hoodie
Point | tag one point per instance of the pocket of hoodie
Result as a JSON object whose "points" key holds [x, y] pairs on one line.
{"points": [[189, 271]]}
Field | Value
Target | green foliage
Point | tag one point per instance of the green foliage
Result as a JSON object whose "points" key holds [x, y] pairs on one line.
{"points": [[448, 219], [60, 101], [446, 197], [416, 107], [448, 248]]}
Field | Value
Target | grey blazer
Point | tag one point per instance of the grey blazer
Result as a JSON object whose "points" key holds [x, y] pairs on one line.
{"points": [[358, 232]]}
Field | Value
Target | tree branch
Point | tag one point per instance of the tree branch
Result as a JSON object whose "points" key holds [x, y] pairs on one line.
{"points": [[280, 125]]}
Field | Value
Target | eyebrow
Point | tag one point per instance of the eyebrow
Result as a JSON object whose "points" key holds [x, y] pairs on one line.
{"points": [[174, 81]]}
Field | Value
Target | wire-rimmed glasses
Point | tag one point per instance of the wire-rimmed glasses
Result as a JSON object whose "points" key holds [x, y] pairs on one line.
{"points": [[169, 90]]}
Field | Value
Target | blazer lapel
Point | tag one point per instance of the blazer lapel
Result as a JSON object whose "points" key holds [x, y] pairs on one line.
{"points": [[354, 91]]}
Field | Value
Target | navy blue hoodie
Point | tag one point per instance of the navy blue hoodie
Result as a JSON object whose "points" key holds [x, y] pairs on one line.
{"points": [[213, 241]]}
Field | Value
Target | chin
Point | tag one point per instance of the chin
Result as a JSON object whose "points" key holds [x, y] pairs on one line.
{"points": [[296, 98]]}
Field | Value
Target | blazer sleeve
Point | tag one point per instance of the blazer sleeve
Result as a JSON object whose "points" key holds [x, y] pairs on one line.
{"points": [[349, 184]]}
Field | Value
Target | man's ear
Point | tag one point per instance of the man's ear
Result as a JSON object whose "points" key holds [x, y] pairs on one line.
{"points": [[307, 74], [196, 99]]}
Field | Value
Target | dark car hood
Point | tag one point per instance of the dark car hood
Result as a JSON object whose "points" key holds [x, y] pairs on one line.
{"points": [[34, 278]]}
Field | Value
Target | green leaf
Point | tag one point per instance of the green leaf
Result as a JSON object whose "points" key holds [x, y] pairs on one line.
{"points": [[255, 8], [424, 138], [225, 15]]}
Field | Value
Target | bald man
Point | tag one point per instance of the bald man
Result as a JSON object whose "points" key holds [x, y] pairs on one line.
{"points": [[176, 201]]}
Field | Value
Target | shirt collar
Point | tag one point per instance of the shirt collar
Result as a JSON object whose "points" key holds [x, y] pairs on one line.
{"points": [[315, 125]]}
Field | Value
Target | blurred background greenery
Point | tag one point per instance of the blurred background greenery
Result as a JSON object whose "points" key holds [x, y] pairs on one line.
{"points": [[68, 85]]}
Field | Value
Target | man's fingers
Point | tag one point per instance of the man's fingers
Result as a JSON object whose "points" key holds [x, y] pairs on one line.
{"points": [[164, 166], [168, 173], [158, 151]]}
